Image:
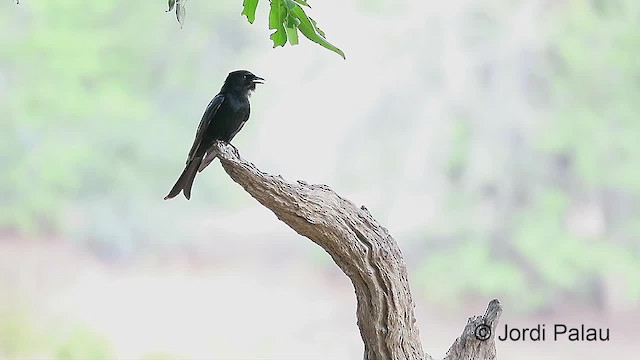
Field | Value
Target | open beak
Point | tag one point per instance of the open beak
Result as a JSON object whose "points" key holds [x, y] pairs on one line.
{"points": [[258, 80]]}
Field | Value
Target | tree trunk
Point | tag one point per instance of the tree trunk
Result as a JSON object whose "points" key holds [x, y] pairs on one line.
{"points": [[366, 253]]}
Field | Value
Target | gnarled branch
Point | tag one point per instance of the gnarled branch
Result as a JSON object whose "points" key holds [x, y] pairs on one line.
{"points": [[477, 339], [361, 247]]}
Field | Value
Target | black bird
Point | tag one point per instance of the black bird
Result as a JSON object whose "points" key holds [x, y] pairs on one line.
{"points": [[224, 117]]}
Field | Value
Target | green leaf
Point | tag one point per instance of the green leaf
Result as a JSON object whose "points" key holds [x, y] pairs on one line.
{"points": [[315, 26], [274, 14], [292, 34], [289, 4], [311, 31], [291, 28], [277, 17], [181, 13], [249, 9], [279, 37], [303, 2], [172, 3]]}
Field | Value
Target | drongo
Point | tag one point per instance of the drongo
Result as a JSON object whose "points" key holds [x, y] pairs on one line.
{"points": [[224, 117]]}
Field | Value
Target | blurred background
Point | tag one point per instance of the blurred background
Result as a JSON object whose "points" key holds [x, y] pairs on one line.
{"points": [[495, 140]]}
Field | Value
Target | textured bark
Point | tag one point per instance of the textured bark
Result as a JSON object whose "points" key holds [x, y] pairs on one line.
{"points": [[478, 337], [361, 247]]}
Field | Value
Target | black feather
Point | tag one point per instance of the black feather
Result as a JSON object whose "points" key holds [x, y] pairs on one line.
{"points": [[222, 120]]}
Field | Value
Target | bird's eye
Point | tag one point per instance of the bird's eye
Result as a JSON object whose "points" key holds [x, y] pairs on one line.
{"points": [[245, 76]]}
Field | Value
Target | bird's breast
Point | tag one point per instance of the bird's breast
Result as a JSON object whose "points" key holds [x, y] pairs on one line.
{"points": [[230, 118]]}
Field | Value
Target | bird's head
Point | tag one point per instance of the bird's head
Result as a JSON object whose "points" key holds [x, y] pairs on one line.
{"points": [[242, 81]]}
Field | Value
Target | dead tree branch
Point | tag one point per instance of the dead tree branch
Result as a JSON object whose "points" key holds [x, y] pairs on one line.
{"points": [[478, 337], [363, 250]]}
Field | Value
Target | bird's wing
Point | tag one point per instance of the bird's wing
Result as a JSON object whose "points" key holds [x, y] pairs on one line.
{"points": [[209, 113], [233, 134]]}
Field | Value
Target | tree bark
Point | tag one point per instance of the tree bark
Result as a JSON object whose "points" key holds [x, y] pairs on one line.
{"points": [[365, 252], [478, 337]]}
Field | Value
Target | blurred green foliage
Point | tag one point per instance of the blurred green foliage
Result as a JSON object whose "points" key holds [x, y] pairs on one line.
{"points": [[18, 333], [22, 335], [83, 343], [86, 134], [86, 93], [564, 202], [86, 99]]}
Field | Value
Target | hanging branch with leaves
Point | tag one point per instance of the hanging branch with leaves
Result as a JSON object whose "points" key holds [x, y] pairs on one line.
{"points": [[181, 11], [286, 17]]}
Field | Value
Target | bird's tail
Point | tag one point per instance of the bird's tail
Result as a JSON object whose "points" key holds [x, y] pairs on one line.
{"points": [[185, 181], [209, 157]]}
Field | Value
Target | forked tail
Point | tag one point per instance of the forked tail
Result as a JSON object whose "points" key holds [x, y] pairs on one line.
{"points": [[185, 181]]}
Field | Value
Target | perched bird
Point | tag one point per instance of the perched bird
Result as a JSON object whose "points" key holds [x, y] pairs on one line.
{"points": [[224, 117]]}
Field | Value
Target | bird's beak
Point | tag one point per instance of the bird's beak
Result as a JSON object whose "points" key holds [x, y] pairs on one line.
{"points": [[258, 80]]}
